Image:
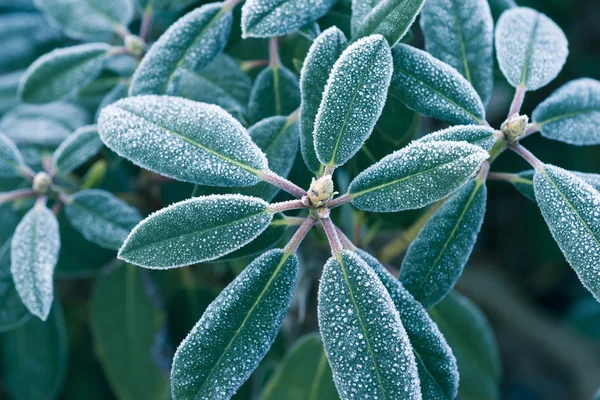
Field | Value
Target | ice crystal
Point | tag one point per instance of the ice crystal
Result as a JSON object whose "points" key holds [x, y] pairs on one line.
{"points": [[482, 136]]}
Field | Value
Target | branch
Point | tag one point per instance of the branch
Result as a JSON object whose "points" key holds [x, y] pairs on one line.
{"points": [[285, 206], [146, 22], [338, 201], [332, 237], [300, 234], [16, 195], [517, 103], [526, 155], [282, 183]]}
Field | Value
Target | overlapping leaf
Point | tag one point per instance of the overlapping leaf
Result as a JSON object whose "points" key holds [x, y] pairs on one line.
{"points": [[275, 92], [482, 136], [523, 182], [11, 160], [78, 148]]}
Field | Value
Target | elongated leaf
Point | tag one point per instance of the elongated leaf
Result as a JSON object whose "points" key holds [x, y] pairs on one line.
{"points": [[321, 57], [265, 241], [34, 253], [523, 182], [390, 18], [11, 160], [78, 148], [461, 33], [190, 44], [275, 92], [482, 136], [87, 19], [436, 364], [570, 207], [359, 10], [415, 176], [436, 258], [366, 345], [196, 230], [236, 330], [572, 113], [473, 343], [531, 49], [125, 324], [268, 18], [433, 88], [353, 100], [8, 90], [182, 139]]}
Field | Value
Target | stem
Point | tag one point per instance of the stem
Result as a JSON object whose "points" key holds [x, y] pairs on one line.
{"points": [[502, 176], [517, 102], [338, 201], [530, 130], [527, 156], [288, 221], [282, 183], [300, 234], [251, 64], [229, 4], [274, 60], [345, 240], [26, 172], [483, 172], [122, 31], [329, 170], [332, 237], [146, 22], [285, 206], [41, 201], [16, 195]]}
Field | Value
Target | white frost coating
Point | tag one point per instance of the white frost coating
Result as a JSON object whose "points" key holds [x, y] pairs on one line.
{"points": [[572, 113], [482, 136], [531, 49], [367, 347], [34, 254], [360, 9], [79, 147], [10, 157], [461, 33], [275, 92]]}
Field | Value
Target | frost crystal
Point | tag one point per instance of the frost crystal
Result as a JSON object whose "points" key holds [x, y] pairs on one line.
{"points": [[360, 9], [79, 147], [482, 136]]}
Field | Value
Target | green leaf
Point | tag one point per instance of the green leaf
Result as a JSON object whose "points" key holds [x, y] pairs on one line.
{"points": [[473, 343], [34, 358], [436, 258], [11, 160], [366, 345], [78, 148], [482, 136], [390, 18], [353, 100], [319, 61], [570, 207], [8, 90], [101, 217], [523, 182], [190, 44], [415, 176], [236, 330], [62, 72], [436, 364], [572, 113], [359, 10], [265, 241], [196, 230], [34, 253], [125, 324], [275, 92], [303, 374], [87, 19], [531, 49], [433, 88], [182, 139], [268, 18], [461, 34]]}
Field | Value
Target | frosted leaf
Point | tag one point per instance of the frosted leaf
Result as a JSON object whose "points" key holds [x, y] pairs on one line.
{"points": [[473, 343], [43, 125], [87, 19], [319, 61], [353, 100], [367, 347], [435, 362], [436, 258], [195, 230], [415, 176], [78, 148], [182, 139], [571, 207], [572, 113], [8, 90], [360, 9], [461, 33], [275, 92], [524, 182], [433, 88], [482, 136], [499, 6], [531, 49], [236, 330], [11, 160], [118, 92], [268, 18], [34, 254]]}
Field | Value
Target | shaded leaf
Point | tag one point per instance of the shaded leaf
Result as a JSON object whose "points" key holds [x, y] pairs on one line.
{"points": [[11, 160], [78, 148], [390, 18], [275, 92], [523, 182], [482, 136]]}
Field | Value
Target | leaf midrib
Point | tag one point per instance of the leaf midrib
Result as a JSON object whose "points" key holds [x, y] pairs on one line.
{"points": [[461, 40], [560, 117], [529, 51], [314, 389]]}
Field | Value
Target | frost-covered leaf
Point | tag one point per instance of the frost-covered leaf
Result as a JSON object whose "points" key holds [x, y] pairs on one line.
{"points": [[499, 6], [265, 241], [87, 19], [8, 90], [436, 258], [303, 374], [101, 217], [62, 72], [474, 345], [319, 61], [461, 33], [359, 10], [33, 256], [125, 323], [268, 18], [275, 92], [570, 207], [367, 347], [78, 148], [433, 88], [353, 100], [436, 363], [390, 18], [182, 139], [572, 113], [415, 176], [236, 330], [531, 49], [11, 160], [482, 136], [196, 230], [523, 182], [190, 44]]}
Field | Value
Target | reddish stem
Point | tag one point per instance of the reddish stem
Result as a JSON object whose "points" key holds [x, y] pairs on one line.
{"points": [[338, 201], [517, 103], [332, 237], [300, 234]]}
